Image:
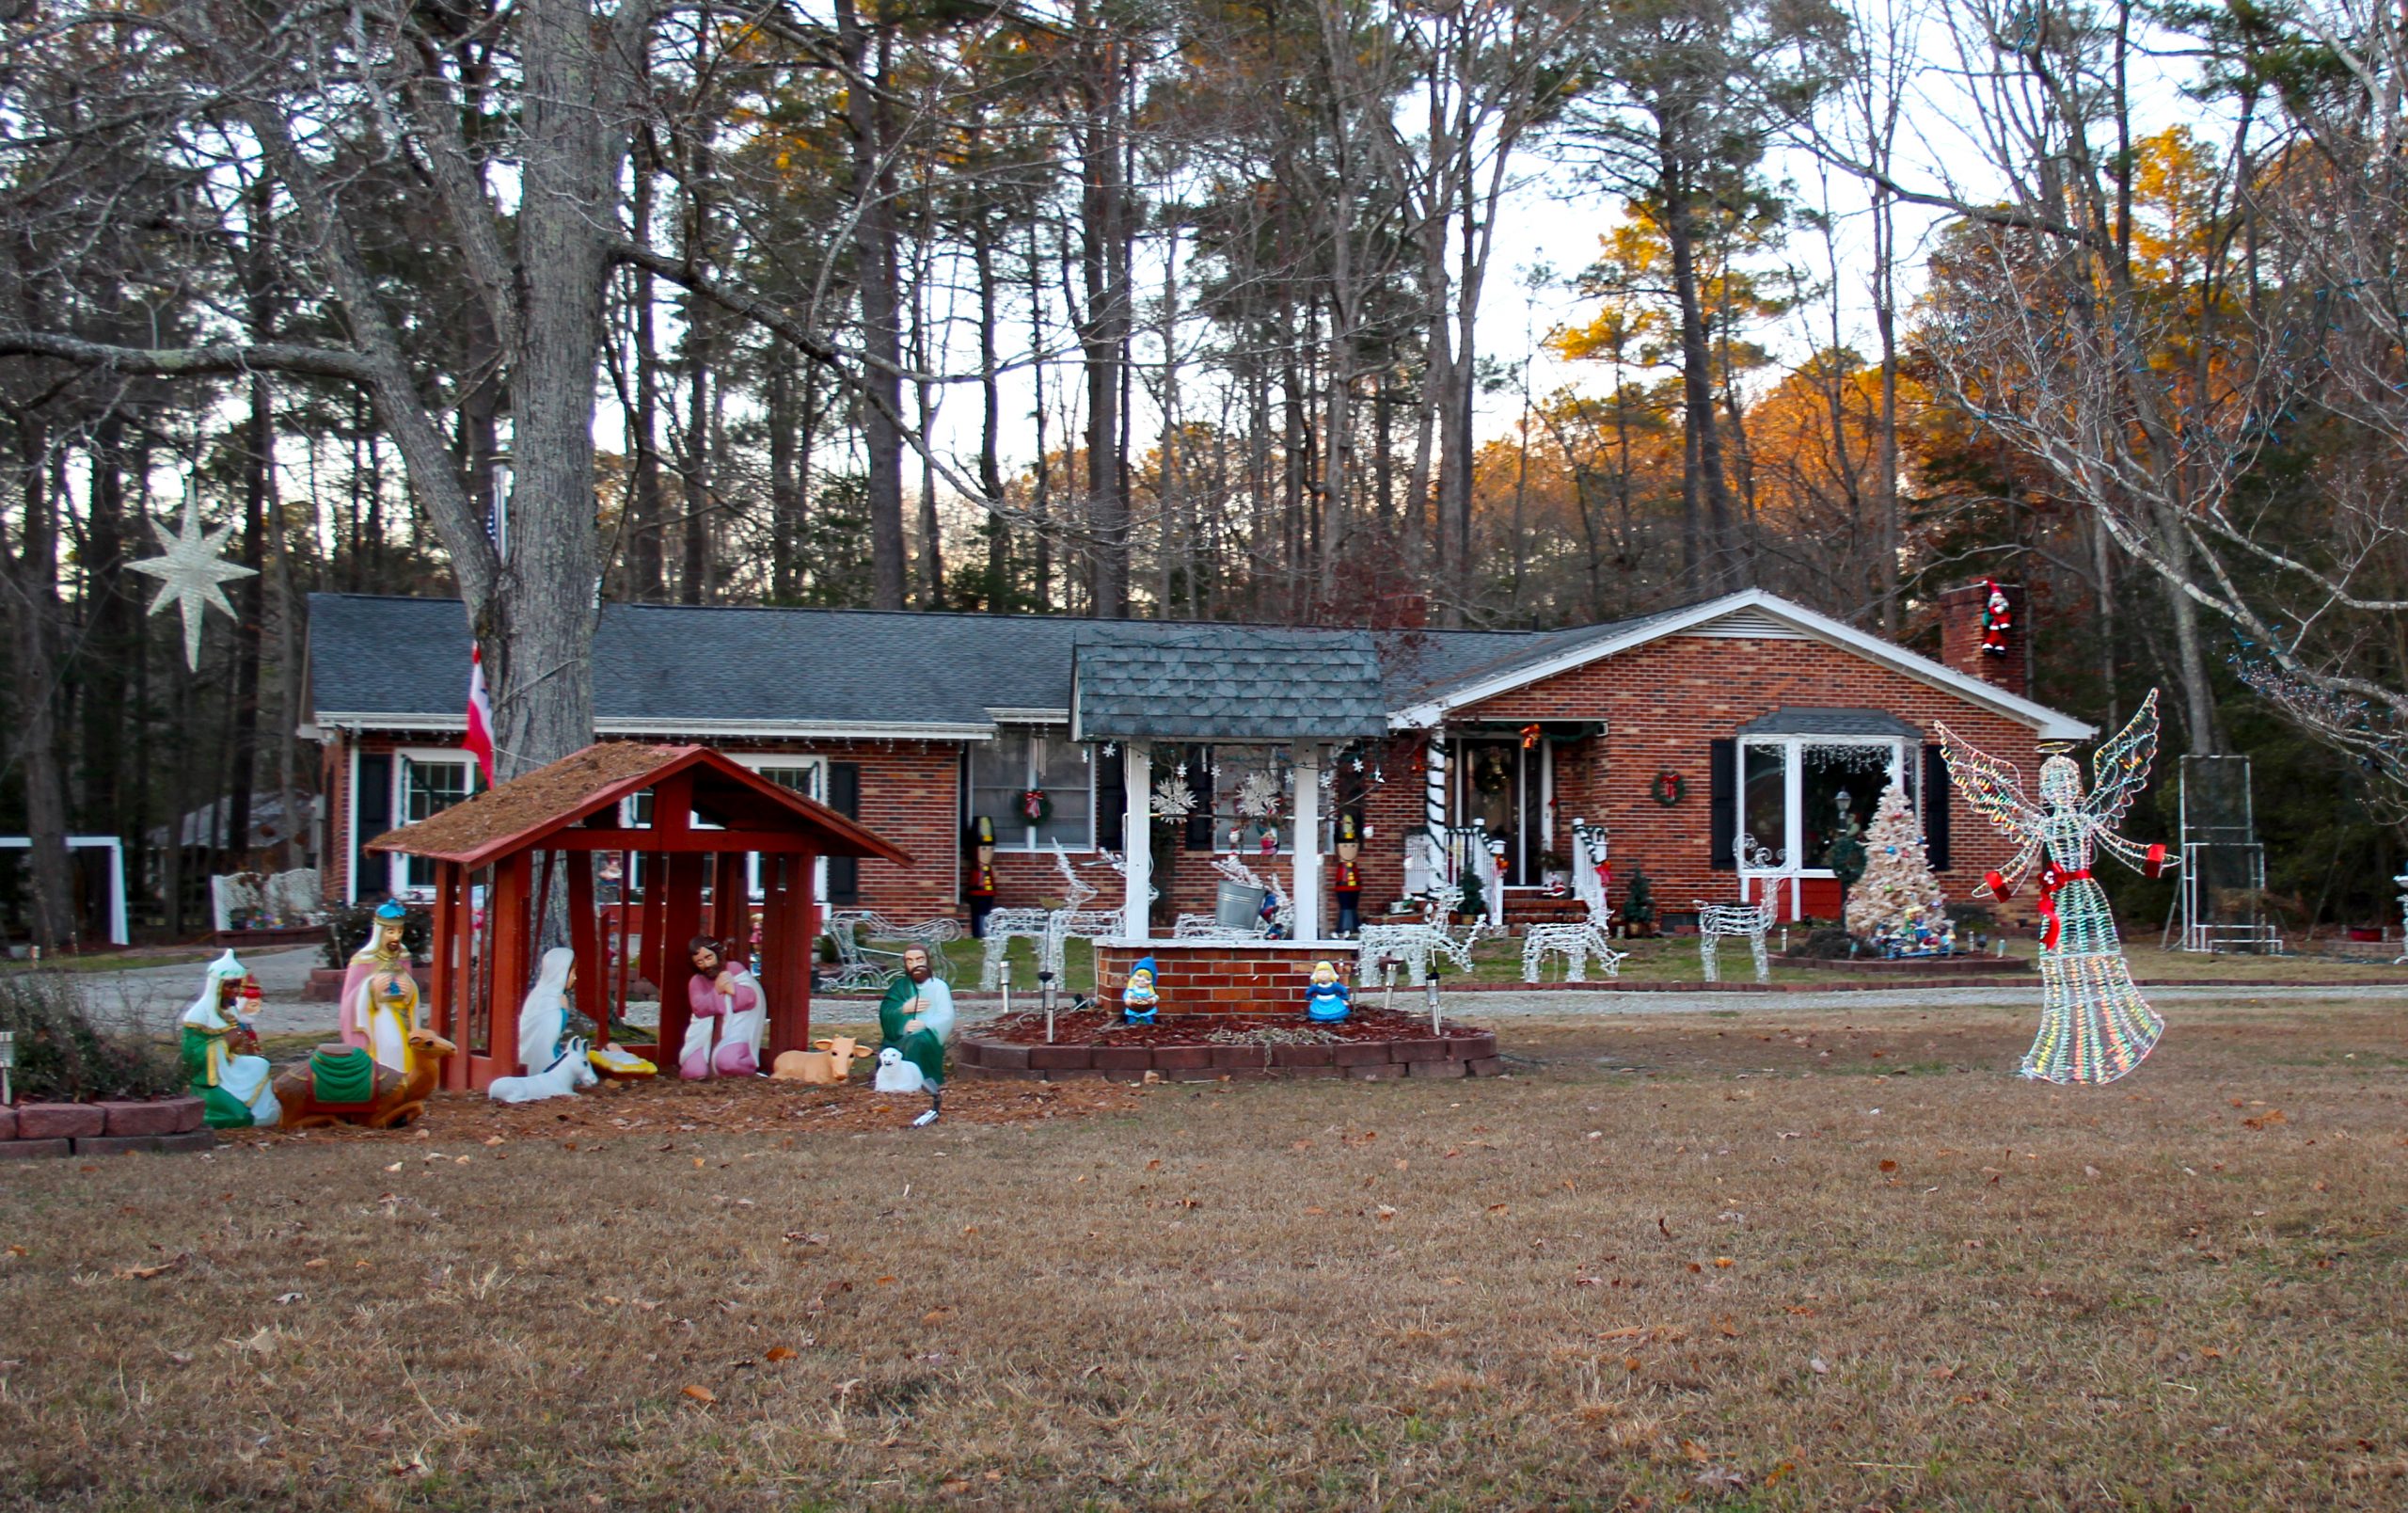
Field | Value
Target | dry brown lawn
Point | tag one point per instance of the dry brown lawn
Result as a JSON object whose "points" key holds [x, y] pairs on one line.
{"points": [[1762, 1260]]}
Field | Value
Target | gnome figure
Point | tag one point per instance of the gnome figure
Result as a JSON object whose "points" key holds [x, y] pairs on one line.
{"points": [[1138, 1002]]}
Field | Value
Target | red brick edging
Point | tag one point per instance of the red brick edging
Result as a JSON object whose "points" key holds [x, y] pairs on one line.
{"points": [[30, 1131], [1460, 1053]]}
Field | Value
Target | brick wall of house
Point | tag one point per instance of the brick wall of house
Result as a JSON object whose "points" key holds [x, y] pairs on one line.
{"points": [[1664, 703]]}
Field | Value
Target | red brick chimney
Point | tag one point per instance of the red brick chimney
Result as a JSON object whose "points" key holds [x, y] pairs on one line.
{"points": [[1960, 636]]}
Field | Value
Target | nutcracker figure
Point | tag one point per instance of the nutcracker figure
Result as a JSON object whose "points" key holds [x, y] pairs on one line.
{"points": [[982, 874], [1346, 883]]}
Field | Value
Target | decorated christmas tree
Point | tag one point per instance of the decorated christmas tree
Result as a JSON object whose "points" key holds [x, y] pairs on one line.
{"points": [[1896, 904]]}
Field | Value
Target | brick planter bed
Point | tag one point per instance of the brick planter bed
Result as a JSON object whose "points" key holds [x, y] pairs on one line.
{"points": [[29, 1131], [1372, 1045]]}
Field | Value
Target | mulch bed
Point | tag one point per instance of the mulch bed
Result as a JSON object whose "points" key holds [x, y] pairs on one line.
{"points": [[1099, 1026], [659, 1111]]}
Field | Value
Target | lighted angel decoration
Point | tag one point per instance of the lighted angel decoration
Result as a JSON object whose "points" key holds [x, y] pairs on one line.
{"points": [[2094, 1026]]}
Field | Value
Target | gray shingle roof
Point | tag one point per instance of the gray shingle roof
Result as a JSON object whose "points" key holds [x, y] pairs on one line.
{"points": [[1234, 683], [678, 670]]}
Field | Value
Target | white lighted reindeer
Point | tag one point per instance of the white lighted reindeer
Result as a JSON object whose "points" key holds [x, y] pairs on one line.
{"points": [[1716, 920], [1414, 945], [1576, 942], [1003, 926], [1074, 920]]}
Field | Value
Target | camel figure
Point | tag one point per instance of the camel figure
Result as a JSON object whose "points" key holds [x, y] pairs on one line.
{"points": [[343, 1085]]}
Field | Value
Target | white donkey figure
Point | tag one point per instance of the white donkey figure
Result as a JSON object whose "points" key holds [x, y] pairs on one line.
{"points": [[570, 1071]]}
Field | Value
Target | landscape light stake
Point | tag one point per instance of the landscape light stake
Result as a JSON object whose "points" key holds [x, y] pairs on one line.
{"points": [[1006, 978], [1045, 989], [1429, 990], [8, 1063], [1387, 974]]}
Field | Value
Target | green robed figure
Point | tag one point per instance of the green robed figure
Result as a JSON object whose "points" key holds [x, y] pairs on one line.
{"points": [[915, 1018]]}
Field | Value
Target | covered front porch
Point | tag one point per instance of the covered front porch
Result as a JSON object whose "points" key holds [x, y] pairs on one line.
{"points": [[1279, 707]]}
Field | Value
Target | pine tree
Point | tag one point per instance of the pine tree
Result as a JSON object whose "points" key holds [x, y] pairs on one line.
{"points": [[1898, 896]]}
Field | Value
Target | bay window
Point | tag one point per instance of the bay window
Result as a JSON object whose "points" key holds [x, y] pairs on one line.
{"points": [[1794, 791]]}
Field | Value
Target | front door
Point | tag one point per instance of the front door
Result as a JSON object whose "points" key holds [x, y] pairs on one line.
{"points": [[1499, 793]]}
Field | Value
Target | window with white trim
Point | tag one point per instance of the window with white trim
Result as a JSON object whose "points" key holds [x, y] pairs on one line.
{"points": [[425, 783], [1025, 759], [1793, 790], [808, 776]]}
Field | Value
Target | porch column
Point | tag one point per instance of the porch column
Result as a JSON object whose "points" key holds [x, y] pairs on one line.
{"points": [[1434, 795], [1304, 848], [1137, 787]]}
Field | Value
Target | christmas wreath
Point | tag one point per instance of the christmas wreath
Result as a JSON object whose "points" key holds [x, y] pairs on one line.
{"points": [[1668, 788], [1490, 775], [1036, 807]]}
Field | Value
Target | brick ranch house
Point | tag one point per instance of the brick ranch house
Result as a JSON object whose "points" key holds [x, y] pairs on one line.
{"points": [[1709, 743]]}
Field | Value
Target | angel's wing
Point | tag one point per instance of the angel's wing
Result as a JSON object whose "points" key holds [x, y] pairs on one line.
{"points": [[2119, 768], [1992, 785]]}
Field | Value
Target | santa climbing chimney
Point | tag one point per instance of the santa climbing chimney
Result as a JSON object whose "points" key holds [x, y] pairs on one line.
{"points": [[1983, 630]]}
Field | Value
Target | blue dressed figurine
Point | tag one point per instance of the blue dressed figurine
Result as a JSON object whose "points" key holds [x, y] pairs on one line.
{"points": [[1326, 1001], [1138, 1003]]}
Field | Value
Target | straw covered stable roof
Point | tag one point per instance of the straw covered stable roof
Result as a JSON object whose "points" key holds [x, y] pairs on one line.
{"points": [[585, 789]]}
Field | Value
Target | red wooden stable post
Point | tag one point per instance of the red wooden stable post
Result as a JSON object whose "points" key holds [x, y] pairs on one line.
{"points": [[693, 882]]}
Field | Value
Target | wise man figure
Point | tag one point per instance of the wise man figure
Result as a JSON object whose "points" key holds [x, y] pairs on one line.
{"points": [[914, 1017], [381, 955]]}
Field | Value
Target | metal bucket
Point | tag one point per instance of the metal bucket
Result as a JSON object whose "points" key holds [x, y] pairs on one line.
{"points": [[1239, 906]]}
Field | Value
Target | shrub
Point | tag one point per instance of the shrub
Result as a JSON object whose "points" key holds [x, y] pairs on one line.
{"points": [[63, 1057], [348, 924], [1972, 917], [1827, 943]]}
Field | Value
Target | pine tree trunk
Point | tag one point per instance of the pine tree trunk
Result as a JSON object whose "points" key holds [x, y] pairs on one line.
{"points": [[34, 615], [873, 250]]}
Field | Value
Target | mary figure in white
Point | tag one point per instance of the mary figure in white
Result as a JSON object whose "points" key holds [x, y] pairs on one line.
{"points": [[543, 1019]]}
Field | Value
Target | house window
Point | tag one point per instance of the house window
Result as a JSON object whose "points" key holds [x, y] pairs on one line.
{"points": [[1040, 758], [425, 783], [1793, 790], [808, 776]]}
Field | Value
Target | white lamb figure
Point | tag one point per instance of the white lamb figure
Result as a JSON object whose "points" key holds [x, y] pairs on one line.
{"points": [[570, 1071], [896, 1074]]}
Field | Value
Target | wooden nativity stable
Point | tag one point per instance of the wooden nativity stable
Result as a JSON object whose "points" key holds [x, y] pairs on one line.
{"points": [[726, 852]]}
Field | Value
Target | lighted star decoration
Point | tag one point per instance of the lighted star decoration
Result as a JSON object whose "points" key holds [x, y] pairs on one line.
{"points": [[189, 571]]}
